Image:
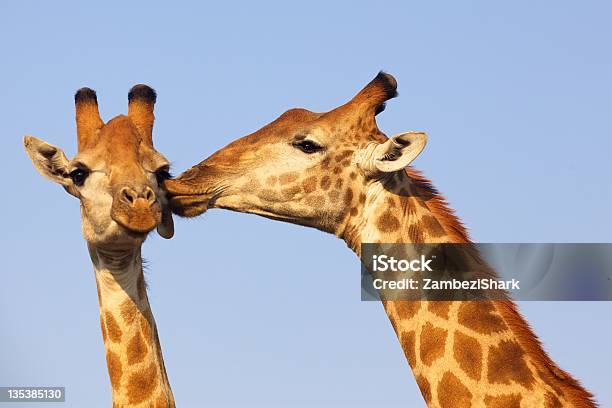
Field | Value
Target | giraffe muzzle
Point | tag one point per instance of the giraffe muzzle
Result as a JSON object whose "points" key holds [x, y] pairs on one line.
{"points": [[188, 196], [136, 211], [189, 205]]}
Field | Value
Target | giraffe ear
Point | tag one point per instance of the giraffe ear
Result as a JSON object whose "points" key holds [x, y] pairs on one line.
{"points": [[49, 160], [398, 152]]}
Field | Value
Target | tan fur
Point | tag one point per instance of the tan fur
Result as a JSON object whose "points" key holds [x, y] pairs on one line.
{"points": [[461, 353], [121, 202]]}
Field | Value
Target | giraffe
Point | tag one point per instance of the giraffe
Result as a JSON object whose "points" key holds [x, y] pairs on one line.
{"points": [[337, 172], [117, 175]]}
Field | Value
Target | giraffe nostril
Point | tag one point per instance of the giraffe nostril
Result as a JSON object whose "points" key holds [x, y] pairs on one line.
{"points": [[149, 195], [128, 195]]}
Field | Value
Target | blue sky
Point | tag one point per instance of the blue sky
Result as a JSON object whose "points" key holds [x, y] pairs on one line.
{"points": [[515, 98]]}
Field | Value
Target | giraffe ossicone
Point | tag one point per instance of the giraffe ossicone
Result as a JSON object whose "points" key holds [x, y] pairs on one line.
{"points": [[337, 172], [118, 175]]}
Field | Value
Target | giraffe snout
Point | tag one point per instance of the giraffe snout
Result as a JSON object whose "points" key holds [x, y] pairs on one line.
{"points": [[136, 209], [129, 195]]}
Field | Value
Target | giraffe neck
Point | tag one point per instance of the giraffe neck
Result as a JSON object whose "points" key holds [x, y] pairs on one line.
{"points": [[462, 354], [133, 352]]}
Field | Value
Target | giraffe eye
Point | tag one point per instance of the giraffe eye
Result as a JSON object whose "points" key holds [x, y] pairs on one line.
{"points": [[308, 146], [78, 176]]}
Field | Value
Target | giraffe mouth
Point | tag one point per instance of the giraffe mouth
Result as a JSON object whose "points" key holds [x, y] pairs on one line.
{"points": [[187, 200], [189, 205]]}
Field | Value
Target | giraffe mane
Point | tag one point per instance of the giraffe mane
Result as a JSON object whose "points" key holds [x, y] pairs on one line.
{"points": [[579, 396], [532, 345], [439, 206]]}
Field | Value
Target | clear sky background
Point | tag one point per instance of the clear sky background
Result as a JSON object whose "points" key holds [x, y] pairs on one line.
{"points": [[515, 97]]}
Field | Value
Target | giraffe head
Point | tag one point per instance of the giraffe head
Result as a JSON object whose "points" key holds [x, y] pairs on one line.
{"points": [[117, 173], [302, 165]]}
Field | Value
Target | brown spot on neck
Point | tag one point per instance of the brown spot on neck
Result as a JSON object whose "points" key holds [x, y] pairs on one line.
{"points": [[129, 312], [481, 317], [137, 349], [141, 384], [424, 387], [439, 308], [507, 365], [452, 393], [112, 328], [115, 371], [468, 354], [147, 328], [433, 341], [406, 309], [408, 343], [503, 401]]}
